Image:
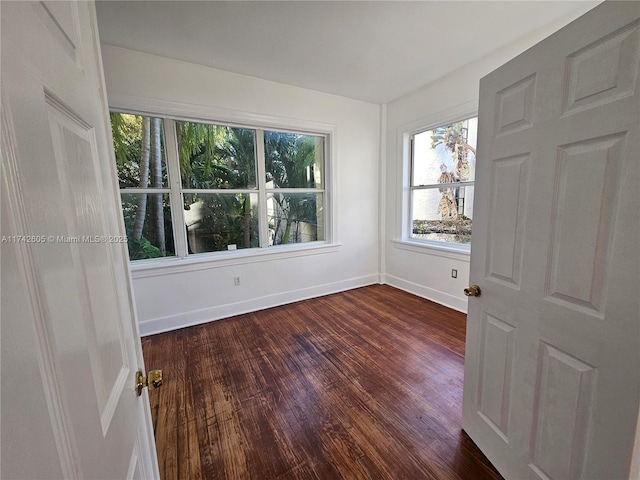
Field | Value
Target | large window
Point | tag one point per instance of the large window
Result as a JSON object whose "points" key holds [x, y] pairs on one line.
{"points": [[443, 164], [193, 187]]}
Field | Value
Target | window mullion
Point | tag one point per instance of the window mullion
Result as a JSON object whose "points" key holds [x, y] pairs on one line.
{"points": [[444, 185], [295, 190], [146, 190], [263, 220], [219, 191], [175, 183]]}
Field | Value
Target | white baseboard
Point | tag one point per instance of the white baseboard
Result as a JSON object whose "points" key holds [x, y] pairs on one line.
{"points": [[196, 317], [459, 304]]}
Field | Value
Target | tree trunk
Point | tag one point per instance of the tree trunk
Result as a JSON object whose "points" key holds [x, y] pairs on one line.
{"points": [[247, 221], [141, 210], [156, 182], [287, 232]]}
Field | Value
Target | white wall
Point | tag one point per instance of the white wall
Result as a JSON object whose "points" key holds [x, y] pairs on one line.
{"points": [[421, 271], [185, 295]]}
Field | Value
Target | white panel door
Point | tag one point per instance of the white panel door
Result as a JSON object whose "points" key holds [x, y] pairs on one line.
{"points": [[552, 379], [70, 345]]}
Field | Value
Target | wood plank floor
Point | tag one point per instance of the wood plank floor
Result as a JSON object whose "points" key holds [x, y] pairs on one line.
{"points": [[364, 384]]}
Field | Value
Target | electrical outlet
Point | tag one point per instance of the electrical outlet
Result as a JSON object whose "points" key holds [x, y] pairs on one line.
{"points": [[454, 273], [236, 281]]}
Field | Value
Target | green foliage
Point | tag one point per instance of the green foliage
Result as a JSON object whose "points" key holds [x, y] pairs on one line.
{"points": [[141, 248], [216, 157], [149, 234], [196, 145], [238, 152], [290, 163], [126, 130], [290, 159], [226, 219], [126, 136]]}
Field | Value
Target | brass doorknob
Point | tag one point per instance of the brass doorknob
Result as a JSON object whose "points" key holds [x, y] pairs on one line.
{"points": [[472, 291], [152, 380]]}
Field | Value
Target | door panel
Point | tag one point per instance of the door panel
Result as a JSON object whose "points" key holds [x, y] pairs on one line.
{"points": [[62, 21], [76, 161], [514, 106], [583, 208], [507, 219], [549, 391], [604, 71], [562, 414], [497, 374]]}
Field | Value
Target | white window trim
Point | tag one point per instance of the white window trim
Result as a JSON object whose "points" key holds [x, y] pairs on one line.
{"points": [[454, 251], [205, 261], [138, 105], [403, 208]]}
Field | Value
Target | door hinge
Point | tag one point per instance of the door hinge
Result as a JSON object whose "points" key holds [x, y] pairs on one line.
{"points": [[152, 380]]}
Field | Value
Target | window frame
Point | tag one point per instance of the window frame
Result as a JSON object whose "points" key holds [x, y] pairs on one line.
{"points": [[169, 112], [404, 228]]}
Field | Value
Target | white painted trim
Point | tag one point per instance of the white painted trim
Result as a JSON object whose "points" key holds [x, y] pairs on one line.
{"points": [[175, 185], [171, 110], [145, 448], [446, 250], [382, 192], [403, 180], [196, 317], [635, 457], [110, 406], [148, 465], [436, 296], [403, 134], [331, 188], [444, 117], [173, 265], [261, 163], [133, 462], [193, 112]]}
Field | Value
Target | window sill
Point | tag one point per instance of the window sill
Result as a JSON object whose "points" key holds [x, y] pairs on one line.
{"points": [[452, 251], [174, 265]]}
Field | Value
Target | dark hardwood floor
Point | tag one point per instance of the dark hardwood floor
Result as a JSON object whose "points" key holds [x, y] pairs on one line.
{"points": [[364, 384]]}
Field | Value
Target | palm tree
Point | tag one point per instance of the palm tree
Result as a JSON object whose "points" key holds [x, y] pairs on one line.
{"points": [[197, 144], [217, 157], [141, 210], [454, 139], [290, 160], [239, 151], [138, 145], [156, 182], [131, 141]]}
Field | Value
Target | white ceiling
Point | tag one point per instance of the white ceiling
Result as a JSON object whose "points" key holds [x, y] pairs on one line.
{"points": [[374, 51]]}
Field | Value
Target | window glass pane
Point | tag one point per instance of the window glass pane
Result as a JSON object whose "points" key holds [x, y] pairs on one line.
{"points": [[147, 219], [295, 218], [443, 214], [139, 146], [225, 221], [445, 154], [293, 160], [215, 156]]}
